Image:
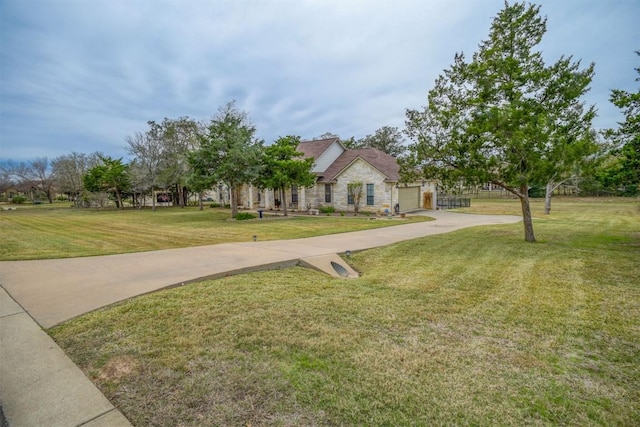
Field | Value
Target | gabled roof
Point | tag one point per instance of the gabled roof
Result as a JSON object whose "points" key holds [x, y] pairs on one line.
{"points": [[315, 148], [383, 162]]}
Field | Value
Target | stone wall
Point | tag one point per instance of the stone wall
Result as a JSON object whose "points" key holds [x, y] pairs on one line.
{"points": [[367, 174]]}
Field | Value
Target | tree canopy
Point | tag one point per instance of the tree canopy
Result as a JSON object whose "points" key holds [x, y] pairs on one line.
{"points": [[111, 176], [388, 139], [504, 117], [624, 170], [229, 153], [284, 167], [161, 156]]}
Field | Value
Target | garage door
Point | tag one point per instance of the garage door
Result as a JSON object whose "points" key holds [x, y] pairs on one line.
{"points": [[409, 198]]}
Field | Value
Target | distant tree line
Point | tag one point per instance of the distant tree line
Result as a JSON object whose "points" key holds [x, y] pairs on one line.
{"points": [[180, 157], [388, 139]]}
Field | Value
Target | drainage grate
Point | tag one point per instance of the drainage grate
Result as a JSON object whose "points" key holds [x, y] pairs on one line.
{"points": [[339, 269]]}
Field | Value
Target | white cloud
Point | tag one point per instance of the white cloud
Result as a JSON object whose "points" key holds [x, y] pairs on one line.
{"points": [[80, 75]]}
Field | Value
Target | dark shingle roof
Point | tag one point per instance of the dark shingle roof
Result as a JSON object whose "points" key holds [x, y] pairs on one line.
{"points": [[315, 148], [380, 160]]}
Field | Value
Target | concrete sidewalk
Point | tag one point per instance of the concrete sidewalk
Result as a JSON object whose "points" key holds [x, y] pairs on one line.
{"points": [[38, 383]]}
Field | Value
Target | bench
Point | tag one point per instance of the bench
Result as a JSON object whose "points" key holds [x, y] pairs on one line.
{"points": [[313, 212]]}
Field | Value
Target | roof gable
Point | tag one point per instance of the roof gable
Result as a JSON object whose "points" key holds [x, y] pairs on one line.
{"points": [[383, 162], [315, 148], [324, 152]]}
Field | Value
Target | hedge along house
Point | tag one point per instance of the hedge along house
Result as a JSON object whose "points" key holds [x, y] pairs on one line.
{"points": [[335, 167]]}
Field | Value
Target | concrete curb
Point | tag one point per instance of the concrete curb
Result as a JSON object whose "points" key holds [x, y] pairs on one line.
{"points": [[41, 386]]}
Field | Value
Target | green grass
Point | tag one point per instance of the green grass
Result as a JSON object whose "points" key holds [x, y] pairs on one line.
{"points": [[42, 232], [475, 327]]}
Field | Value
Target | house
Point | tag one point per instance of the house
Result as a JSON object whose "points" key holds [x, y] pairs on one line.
{"points": [[9, 193], [335, 167]]}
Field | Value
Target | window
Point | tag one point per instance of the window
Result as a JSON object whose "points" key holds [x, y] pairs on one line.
{"points": [[294, 194], [369, 194], [349, 195], [327, 193]]}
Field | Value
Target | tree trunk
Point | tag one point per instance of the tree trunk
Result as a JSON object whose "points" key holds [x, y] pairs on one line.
{"points": [[547, 198], [180, 195], [233, 202], [153, 199], [119, 200], [284, 201], [200, 203], [526, 215]]}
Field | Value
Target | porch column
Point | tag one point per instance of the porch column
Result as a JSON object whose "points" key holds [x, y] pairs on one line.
{"points": [[302, 198], [267, 201]]}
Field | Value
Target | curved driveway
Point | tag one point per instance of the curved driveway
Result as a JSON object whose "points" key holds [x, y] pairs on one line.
{"points": [[40, 385], [53, 291]]}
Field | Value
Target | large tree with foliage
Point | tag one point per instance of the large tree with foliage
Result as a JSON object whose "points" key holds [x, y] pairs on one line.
{"points": [[161, 155], [504, 117], [284, 167], [352, 143], [110, 176], [388, 139], [624, 168], [568, 162], [179, 137], [229, 153]]}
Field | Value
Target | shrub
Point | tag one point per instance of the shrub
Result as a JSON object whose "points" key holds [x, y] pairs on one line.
{"points": [[18, 200], [214, 205], [631, 190], [327, 209], [244, 215], [537, 192]]}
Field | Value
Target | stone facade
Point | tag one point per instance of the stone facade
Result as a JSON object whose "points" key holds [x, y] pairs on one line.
{"points": [[335, 167], [385, 194], [363, 172]]}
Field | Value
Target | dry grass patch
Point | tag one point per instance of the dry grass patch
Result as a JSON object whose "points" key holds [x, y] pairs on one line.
{"points": [[475, 327]]}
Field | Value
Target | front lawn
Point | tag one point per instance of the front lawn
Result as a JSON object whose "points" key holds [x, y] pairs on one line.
{"points": [[66, 232], [474, 327]]}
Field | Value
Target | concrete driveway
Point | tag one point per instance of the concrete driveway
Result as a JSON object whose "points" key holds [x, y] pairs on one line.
{"points": [[53, 291]]}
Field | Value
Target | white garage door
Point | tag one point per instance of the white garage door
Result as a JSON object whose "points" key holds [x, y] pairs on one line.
{"points": [[409, 198]]}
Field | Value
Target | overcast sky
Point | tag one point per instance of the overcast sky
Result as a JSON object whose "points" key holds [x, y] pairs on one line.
{"points": [[80, 75]]}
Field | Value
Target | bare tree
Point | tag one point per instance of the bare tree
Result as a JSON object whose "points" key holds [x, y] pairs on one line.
{"points": [[355, 191], [149, 151], [162, 152], [69, 171], [6, 182], [34, 174]]}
